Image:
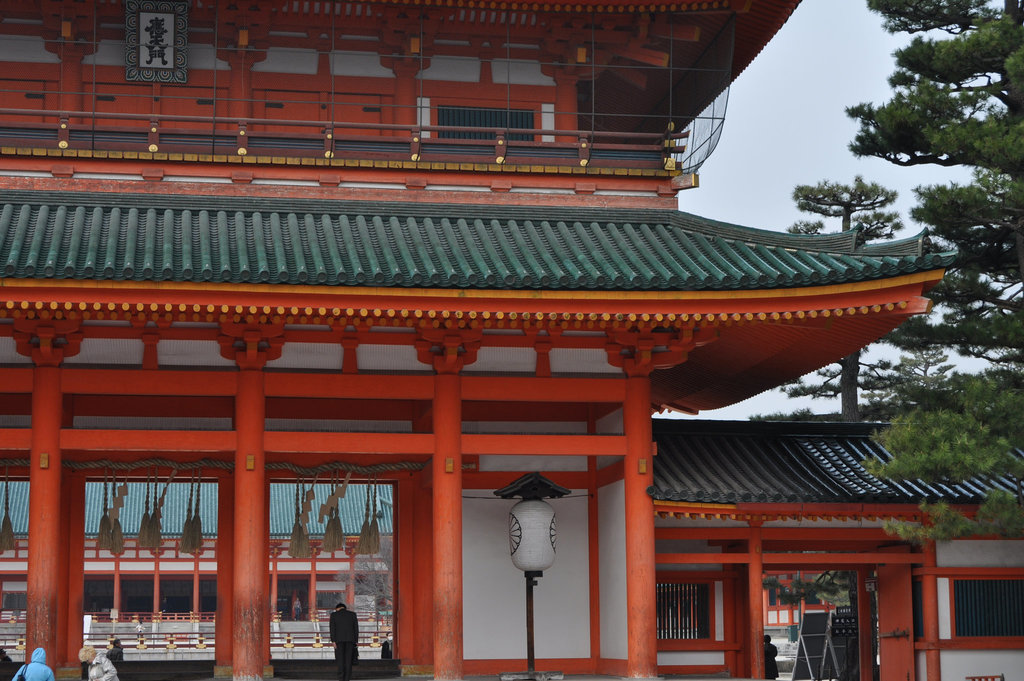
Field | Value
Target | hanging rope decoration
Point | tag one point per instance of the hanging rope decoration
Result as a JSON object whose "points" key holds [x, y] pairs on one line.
{"points": [[7, 540], [298, 546], [103, 534], [192, 530], [116, 533], [369, 534], [155, 539], [334, 535], [143, 538]]}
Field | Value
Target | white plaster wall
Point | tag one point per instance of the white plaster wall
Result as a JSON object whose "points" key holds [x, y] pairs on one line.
{"points": [[9, 352], [455, 69], [504, 360], [610, 424], [945, 621], [494, 591], [979, 553], [519, 72], [108, 351], [533, 463], [26, 49], [957, 664], [289, 60], [681, 657], [611, 505]]}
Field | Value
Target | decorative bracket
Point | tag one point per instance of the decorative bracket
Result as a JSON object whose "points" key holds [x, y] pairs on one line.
{"points": [[251, 346], [49, 342], [638, 353], [448, 350]]}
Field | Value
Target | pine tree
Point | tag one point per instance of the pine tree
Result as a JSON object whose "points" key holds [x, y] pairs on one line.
{"points": [[958, 100], [863, 201]]}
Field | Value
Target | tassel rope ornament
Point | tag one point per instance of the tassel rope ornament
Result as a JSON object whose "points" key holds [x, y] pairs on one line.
{"points": [[334, 535], [185, 543], [7, 540], [103, 535], [143, 538], [298, 546], [116, 533]]}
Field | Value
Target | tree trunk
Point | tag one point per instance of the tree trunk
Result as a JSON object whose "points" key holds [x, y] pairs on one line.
{"points": [[848, 381]]}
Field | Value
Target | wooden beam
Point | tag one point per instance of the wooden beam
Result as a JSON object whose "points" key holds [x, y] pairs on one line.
{"points": [[797, 558], [182, 441], [532, 389], [396, 444], [143, 382]]}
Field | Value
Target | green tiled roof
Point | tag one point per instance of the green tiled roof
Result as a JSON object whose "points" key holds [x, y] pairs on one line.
{"points": [[126, 237]]}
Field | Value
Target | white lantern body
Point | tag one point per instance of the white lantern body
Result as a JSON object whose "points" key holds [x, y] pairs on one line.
{"points": [[531, 535]]}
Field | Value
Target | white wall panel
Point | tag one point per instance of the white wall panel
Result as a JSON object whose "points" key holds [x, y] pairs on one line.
{"points": [[611, 509], [494, 600], [979, 553], [18, 48], [389, 358], [108, 351], [958, 664], [533, 463], [309, 356], [365, 64], [289, 60], [581, 361], [455, 69], [191, 354], [503, 360], [9, 352], [519, 72], [945, 621], [684, 657]]}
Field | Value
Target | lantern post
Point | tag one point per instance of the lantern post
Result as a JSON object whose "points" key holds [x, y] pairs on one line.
{"points": [[531, 535]]}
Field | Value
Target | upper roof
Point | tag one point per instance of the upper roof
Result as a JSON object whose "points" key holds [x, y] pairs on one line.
{"points": [[731, 462], [123, 237]]}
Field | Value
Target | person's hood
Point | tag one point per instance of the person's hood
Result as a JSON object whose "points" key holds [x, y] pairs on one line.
{"points": [[100, 656], [39, 655]]}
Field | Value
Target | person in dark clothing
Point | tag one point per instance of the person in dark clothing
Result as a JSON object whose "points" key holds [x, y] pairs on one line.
{"points": [[345, 636], [116, 654], [4, 657], [771, 668]]}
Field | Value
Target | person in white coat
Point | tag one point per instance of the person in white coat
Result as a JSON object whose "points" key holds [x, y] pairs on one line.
{"points": [[100, 668]]}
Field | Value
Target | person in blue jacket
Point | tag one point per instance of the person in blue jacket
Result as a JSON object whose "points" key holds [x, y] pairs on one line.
{"points": [[36, 669]]}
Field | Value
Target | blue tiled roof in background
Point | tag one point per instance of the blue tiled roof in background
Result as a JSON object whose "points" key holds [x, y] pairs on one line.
{"points": [[733, 462]]}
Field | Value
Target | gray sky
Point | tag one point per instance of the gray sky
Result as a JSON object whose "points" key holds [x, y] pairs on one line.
{"points": [[786, 125]]}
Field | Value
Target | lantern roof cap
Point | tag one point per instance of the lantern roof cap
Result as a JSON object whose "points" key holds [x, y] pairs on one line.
{"points": [[532, 486]]}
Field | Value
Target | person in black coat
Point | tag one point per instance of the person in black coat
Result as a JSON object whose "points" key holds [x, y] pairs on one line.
{"points": [[771, 668], [116, 653], [345, 636]]}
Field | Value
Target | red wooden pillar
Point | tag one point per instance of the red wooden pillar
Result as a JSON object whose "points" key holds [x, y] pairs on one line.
{"points": [[423, 542], [864, 632], [930, 615], [224, 625], [405, 562], [446, 468], [75, 568], [405, 111], [755, 604], [250, 531], [895, 623], [642, 661], [44, 588]]}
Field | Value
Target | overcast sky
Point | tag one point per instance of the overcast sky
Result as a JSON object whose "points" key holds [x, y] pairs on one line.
{"points": [[786, 125]]}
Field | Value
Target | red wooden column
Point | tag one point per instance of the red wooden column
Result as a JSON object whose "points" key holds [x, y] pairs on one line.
{"points": [[755, 596], [75, 494], [47, 344], [250, 558], [446, 467], [895, 623], [930, 615], [448, 350], [224, 626], [251, 347], [642, 660]]}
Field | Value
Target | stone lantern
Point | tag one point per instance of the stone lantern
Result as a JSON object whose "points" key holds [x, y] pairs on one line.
{"points": [[531, 537]]}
